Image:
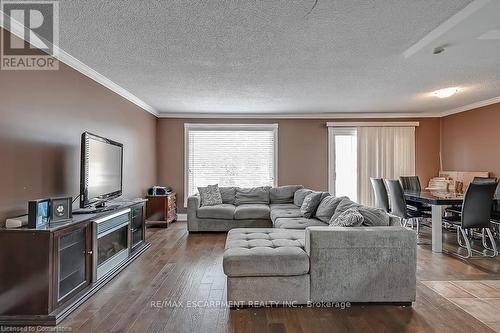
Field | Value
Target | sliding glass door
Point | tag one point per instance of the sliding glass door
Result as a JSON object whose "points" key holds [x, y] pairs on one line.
{"points": [[365, 150], [343, 162]]}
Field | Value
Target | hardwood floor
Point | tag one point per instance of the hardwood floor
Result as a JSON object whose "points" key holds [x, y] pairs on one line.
{"points": [[188, 268]]}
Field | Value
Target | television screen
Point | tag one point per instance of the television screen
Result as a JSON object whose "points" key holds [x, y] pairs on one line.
{"points": [[101, 169]]}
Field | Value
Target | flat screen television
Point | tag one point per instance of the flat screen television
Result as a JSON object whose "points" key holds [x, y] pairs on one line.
{"points": [[101, 170]]}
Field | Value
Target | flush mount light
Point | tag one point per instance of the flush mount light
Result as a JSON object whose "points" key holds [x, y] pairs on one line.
{"points": [[446, 92]]}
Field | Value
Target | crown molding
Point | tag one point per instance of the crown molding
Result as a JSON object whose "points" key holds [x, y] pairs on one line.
{"points": [[470, 107], [331, 115], [79, 66], [17, 29]]}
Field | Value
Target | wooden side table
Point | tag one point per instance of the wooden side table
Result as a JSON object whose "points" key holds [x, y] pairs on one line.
{"points": [[161, 209]]}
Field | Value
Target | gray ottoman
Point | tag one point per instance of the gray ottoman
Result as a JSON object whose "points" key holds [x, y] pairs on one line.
{"points": [[266, 267]]}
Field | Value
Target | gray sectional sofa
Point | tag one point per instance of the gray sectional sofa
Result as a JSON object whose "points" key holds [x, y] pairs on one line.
{"points": [[274, 255], [262, 207]]}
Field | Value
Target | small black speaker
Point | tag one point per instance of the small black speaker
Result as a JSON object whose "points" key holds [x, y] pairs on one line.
{"points": [[60, 209], [38, 213]]}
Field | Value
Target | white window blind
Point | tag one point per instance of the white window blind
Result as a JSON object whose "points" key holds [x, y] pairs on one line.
{"points": [[230, 155]]}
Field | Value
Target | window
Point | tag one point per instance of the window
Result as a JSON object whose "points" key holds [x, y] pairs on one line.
{"points": [[230, 155], [358, 151]]}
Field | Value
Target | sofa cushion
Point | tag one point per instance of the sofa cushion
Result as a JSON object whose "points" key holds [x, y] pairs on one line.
{"points": [[252, 212], [253, 195], [291, 212], [283, 194], [283, 206], [349, 218], [222, 212], [265, 252], [297, 223], [374, 217], [310, 204], [300, 195], [228, 194], [327, 207], [210, 195]]}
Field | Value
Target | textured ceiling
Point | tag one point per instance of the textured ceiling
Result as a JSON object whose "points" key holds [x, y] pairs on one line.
{"points": [[240, 56]]}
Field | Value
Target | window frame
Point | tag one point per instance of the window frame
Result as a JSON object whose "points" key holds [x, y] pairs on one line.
{"points": [[227, 127]]}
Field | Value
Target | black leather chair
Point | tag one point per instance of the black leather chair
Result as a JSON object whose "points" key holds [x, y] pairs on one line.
{"points": [[457, 210], [399, 207], [484, 180], [380, 191], [476, 214], [412, 183]]}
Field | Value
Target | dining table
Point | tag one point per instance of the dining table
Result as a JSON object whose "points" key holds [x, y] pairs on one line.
{"points": [[437, 200]]}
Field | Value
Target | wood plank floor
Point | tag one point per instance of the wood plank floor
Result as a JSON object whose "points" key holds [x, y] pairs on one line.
{"points": [[186, 268]]}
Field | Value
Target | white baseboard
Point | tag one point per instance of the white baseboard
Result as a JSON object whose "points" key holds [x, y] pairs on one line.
{"points": [[182, 217]]}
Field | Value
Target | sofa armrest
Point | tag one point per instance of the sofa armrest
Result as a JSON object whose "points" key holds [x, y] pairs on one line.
{"points": [[363, 264], [194, 202]]}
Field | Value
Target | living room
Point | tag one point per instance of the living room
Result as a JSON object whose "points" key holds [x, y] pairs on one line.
{"points": [[289, 108]]}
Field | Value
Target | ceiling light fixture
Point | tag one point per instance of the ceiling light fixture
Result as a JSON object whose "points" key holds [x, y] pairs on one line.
{"points": [[446, 92], [438, 50]]}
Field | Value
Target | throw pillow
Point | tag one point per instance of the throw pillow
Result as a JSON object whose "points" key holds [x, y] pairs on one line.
{"points": [[327, 207], [324, 195], [228, 194], [349, 218], [344, 205], [374, 217], [210, 195], [310, 204], [300, 195]]}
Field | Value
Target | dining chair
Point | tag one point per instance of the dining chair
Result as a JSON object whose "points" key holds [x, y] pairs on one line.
{"points": [[380, 191], [482, 180], [476, 214], [457, 209], [398, 205], [412, 183]]}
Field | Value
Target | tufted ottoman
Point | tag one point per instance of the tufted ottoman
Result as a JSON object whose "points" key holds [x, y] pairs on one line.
{"points": [[266, 267]]}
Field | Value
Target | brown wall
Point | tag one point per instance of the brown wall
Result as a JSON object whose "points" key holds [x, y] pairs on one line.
{"points": [[470, 140], [42, 115], [302, 151]]}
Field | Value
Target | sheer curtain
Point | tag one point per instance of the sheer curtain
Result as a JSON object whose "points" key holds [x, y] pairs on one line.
{"points": [[387, 152]]}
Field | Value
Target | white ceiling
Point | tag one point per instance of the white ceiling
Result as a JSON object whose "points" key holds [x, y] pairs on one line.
{"points": [[218, 56]]}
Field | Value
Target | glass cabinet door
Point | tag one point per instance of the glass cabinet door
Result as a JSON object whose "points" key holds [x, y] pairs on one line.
{"points": [[137, 228], [73, 271]]}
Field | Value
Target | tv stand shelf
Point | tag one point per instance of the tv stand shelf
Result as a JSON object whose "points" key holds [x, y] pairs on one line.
{"points": [[93, 210], [52, 269]]}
